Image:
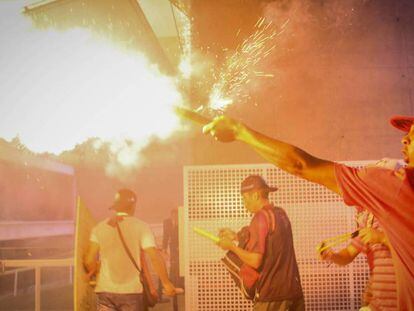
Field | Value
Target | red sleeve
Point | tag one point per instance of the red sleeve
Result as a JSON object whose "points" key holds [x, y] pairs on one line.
{"points": [[361, 187], [350, 183], [375, 189], [258, 230]]}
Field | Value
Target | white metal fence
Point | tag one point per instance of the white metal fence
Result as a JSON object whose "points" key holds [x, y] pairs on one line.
{"points": [[212, 200]]}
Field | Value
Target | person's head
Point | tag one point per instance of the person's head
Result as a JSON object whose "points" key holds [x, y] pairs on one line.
{"points": [[125, 201], [174, 213], [406, 124], [255, 192]]}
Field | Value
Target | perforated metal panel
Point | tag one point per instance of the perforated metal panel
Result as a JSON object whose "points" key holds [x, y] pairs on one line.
{"points": [[213, 201]]}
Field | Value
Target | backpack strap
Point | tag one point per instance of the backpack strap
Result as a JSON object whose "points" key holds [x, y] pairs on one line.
{"points": [[270, 218], [126, 247]]}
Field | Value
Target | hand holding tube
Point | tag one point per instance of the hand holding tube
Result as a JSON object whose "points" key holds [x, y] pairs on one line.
{"points": [[223, 128], [228, 234]]}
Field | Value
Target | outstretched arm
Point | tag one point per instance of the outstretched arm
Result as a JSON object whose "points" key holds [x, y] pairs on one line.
{"points": [[285, 156]]}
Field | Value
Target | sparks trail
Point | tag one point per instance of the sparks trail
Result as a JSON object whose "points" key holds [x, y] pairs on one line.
{"points": [[239, 68]]}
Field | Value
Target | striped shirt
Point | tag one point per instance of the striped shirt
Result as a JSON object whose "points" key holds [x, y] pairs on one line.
{"points": [[381, 290]]}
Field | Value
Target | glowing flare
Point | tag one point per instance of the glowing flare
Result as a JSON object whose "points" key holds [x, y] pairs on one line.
{"points": [[60, 88]]}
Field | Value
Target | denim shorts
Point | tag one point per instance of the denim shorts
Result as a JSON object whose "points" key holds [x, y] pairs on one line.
{"points": [[119, 302], [283, 305]]}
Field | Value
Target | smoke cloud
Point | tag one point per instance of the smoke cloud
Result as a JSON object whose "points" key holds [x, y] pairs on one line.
{"points": [[57, 89]]}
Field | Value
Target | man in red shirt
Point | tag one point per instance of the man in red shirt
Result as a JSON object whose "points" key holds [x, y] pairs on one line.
{"points": [[387, 194], [269, 250], [381, 291]]}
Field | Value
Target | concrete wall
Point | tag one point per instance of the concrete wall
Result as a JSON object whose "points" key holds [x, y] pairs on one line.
{"points": [[342, 68]]}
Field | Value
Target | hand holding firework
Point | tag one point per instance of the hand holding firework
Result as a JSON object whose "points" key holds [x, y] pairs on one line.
{"points": [[328, 243], [224, 129], [324, 253], [228, 234]]}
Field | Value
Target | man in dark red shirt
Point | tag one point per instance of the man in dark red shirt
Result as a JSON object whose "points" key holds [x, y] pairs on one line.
{"points": [[269, 250], [170, 245], [387, 194]]}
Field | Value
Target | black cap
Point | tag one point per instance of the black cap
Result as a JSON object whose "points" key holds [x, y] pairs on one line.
{"points": [[255, 182], [123, 199]]}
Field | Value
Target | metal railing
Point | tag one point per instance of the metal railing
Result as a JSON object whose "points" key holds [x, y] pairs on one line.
{"points": [[36, 265]]}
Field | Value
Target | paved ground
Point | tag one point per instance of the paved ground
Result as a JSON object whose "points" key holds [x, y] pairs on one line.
{"points": [[52, 300], [61, 299]]}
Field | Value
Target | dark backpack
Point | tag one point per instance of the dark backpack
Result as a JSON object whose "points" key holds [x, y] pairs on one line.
{"points": [[244, 276]]}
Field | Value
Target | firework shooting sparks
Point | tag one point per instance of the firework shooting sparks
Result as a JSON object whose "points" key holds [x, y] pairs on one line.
{"points": [[60, 88], [240, 67]]}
